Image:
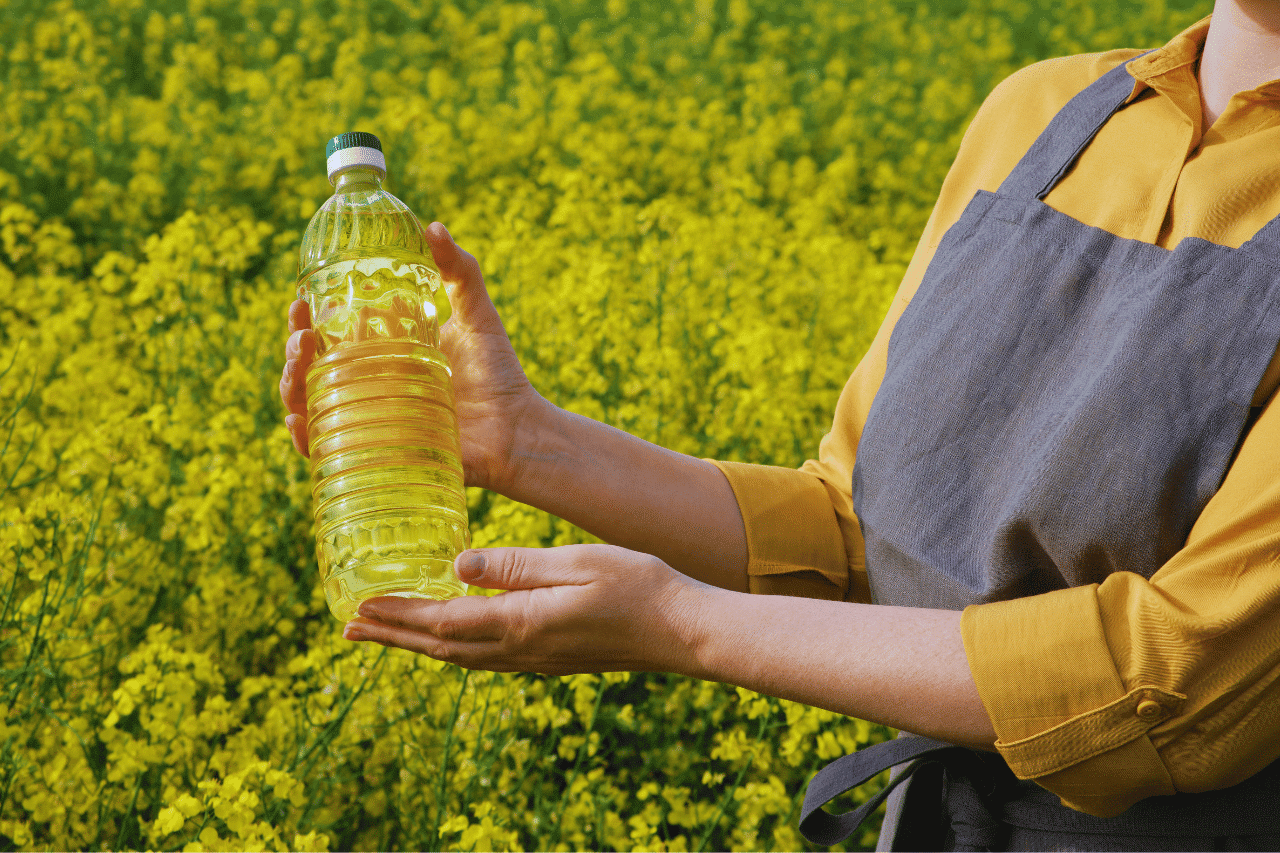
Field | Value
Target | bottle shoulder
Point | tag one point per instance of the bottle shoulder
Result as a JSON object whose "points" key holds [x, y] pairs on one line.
{"points": [[361, 224]]}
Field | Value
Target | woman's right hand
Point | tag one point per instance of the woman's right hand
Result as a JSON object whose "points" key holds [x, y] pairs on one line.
{"points": [[492, 395]]}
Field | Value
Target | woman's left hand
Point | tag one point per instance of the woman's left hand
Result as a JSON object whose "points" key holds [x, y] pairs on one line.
{"points": [[599, 608], [576, 608]]}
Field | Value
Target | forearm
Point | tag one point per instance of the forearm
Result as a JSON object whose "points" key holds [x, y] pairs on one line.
{"points": [[631, 493], [901, 667], [596, 608]]}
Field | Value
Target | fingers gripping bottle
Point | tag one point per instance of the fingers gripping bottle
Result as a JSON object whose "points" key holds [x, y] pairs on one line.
{"points": [[386, 471]]}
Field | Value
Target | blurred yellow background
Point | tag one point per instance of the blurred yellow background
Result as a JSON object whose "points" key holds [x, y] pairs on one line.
{"points": [[691, 216]]}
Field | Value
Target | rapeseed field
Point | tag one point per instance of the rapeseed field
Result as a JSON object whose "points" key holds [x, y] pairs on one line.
{"points": [[691, 215]]}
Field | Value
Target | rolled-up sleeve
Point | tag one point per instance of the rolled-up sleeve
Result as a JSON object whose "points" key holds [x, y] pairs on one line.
{"points": [[794, 544], [803, 536], [1110, 693]]}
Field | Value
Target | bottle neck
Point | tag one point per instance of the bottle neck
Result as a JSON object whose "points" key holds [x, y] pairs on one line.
{"points": [[357, 178]]}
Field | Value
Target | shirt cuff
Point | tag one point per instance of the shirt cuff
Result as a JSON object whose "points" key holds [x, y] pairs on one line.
{"points": [[794, 544], [1061, 712]]}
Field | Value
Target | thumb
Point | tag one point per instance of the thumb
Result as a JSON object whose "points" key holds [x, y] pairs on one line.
{"points": [[455, 264], [516, 568]]}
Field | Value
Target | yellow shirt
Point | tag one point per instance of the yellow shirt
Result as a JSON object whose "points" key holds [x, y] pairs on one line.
{"points": [[1108, 693]]}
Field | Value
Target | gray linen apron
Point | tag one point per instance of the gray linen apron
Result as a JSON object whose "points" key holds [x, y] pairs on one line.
{"points": [[1059, 403]]}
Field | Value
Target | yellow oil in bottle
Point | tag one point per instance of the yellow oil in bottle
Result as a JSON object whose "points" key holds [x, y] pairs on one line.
{"points": [[386, 473]]}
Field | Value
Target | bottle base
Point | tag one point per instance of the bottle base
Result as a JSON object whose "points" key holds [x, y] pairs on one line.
{"points": [[406, 577]]}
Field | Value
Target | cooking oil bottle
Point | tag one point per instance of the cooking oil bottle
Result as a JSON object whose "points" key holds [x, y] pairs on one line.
{"points": [[386, 471]]}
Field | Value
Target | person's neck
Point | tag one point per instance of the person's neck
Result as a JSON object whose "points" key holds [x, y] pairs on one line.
{"points": [[1241, 52]]}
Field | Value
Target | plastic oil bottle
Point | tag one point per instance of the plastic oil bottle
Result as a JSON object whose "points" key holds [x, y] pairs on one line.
{"points": [[386, 473]]}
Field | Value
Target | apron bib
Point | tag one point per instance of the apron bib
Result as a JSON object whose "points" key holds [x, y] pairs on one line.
{"points": [[1059, 404]]}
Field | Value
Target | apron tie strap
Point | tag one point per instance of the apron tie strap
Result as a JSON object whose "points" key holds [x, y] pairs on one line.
{"points": [[981, 803], [973, 825], [844, 774]]}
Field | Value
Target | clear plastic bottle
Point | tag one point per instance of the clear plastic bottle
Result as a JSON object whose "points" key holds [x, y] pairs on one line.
{"points": [[386, 471]]}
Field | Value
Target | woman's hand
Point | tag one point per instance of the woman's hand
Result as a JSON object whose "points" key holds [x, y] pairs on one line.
{"points": [[491, 393], [616, 486], [576, 608], [598, 608]]}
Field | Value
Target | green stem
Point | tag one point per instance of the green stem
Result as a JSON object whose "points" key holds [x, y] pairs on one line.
{"points": [[577, 761], [331, 729], [11, 767], [492, 758], [124, 821], [728, 795], [35, 643], [444, 761]]}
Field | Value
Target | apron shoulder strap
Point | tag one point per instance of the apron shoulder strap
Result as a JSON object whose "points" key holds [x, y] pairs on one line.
{"points": [[1073, 128], [1053, 153]]}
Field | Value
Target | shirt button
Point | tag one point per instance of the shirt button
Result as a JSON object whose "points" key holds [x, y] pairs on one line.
{"points": [[1149, 710]]}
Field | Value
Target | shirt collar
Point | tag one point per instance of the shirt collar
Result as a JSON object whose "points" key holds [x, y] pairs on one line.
{"points": [[1165, 69], [1154, 68]]}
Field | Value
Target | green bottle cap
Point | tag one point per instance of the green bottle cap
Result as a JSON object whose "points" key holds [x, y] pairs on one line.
{"points": [[355, 148], [352, 139]]}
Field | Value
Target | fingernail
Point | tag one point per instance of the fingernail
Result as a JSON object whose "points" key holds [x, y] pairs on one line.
{"points": [[469, 565], [350, 632], [370, 610]]}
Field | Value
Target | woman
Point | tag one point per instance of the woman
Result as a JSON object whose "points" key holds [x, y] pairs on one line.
{"points": [[1065, 500]]}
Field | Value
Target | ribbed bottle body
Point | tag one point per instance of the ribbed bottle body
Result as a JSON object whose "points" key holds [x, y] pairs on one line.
{"points": [[386, 469]]}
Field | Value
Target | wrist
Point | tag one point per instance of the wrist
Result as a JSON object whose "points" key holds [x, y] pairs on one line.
{"points": [[693, 615], [532, 452]]}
